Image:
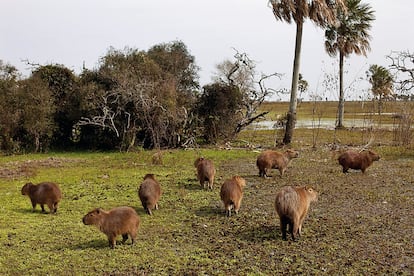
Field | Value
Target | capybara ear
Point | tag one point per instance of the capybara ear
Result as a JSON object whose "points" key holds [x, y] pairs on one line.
{"points": [[98, 210]]}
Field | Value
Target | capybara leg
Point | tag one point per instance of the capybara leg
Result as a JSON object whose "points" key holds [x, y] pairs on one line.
{"points": [[345, 169], [262, 173], [112, 242], [33, 206], [55, 207], [363, 170], [295, 230], [283, 226], [133, 236], [237, 206], [124, 238], [282, 171], [148, 211], [228, 210], [210, 184], [51, 208], [43, 208], [156, 206]]}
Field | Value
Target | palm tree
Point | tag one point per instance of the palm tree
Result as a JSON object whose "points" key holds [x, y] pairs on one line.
{"points": [[322, 13], [381, 82], [349, 35]]}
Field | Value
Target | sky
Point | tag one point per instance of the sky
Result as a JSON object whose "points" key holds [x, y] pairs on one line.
{"points": [[77, 33]]}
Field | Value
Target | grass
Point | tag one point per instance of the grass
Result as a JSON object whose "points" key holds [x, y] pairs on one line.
{"points": [[362, 224]]}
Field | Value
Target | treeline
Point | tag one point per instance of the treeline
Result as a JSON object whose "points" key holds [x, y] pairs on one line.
{"points": [[150, 99]]}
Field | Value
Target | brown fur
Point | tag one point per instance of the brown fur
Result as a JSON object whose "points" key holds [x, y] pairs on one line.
{"points": [[205, 172], [271, 159], [44, 193], [292, 205], [149, 193], [117, 221], [357, 160], [231, 193]]}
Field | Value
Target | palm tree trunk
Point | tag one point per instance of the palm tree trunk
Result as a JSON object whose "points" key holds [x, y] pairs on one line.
{"points": [[340, 121], [291, 116]]}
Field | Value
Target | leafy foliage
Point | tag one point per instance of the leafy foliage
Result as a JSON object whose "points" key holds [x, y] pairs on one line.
{"points": [[218, 109]]}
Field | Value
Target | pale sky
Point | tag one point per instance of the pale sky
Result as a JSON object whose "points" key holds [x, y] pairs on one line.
{"points": [[77, 32]]}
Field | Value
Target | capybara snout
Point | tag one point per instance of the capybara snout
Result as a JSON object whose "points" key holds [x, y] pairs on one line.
{"points": [[45, 193]]}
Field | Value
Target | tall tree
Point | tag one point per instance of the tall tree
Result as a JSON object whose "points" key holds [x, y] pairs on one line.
{"points": [[381, 82], [350, 34], [322, 13]]}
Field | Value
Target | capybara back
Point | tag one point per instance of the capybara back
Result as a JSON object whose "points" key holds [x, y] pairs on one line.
{"points": [[231, 193], [205, 172], [271, 159], [357, 160], [45, 193], [117, 221], [292, 205], [149, 193]]}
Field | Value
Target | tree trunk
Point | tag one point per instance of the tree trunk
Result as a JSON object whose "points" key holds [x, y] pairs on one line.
{"points": [[291, 116], [341, 103]]}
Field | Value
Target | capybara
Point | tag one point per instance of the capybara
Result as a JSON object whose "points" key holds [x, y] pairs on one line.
{"points": [[205, 171], [117, 221], [149, 193], [270, 159], [357, 160], [231, 193], [292, 205], [43, 193]]}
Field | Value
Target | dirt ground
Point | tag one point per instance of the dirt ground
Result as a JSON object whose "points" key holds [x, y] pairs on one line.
{"points": [[362, 223]]}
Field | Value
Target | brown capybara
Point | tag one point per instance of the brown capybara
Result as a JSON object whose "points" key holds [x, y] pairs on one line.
{"points": [[357, 160], [149, 193], [205, 171], [292, 205], [270, 159], [231, 193], [117, 221], [43, 193]]}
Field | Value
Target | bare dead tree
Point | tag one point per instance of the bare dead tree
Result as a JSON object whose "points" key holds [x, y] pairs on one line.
{"points": [[242, 74], [402, 64]]}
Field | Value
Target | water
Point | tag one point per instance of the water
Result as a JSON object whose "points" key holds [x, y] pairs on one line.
{"points": [[323, 123]]}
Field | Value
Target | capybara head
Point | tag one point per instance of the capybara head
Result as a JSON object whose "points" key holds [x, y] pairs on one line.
{"points": [[149, 176], [312, 194], [292, 153], [197, 161], [240, 181], [26, 188], [374, 156], [93, 217]]}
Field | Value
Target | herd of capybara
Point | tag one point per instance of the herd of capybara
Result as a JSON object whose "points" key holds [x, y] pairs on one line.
{"points": [[291, 202]]}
